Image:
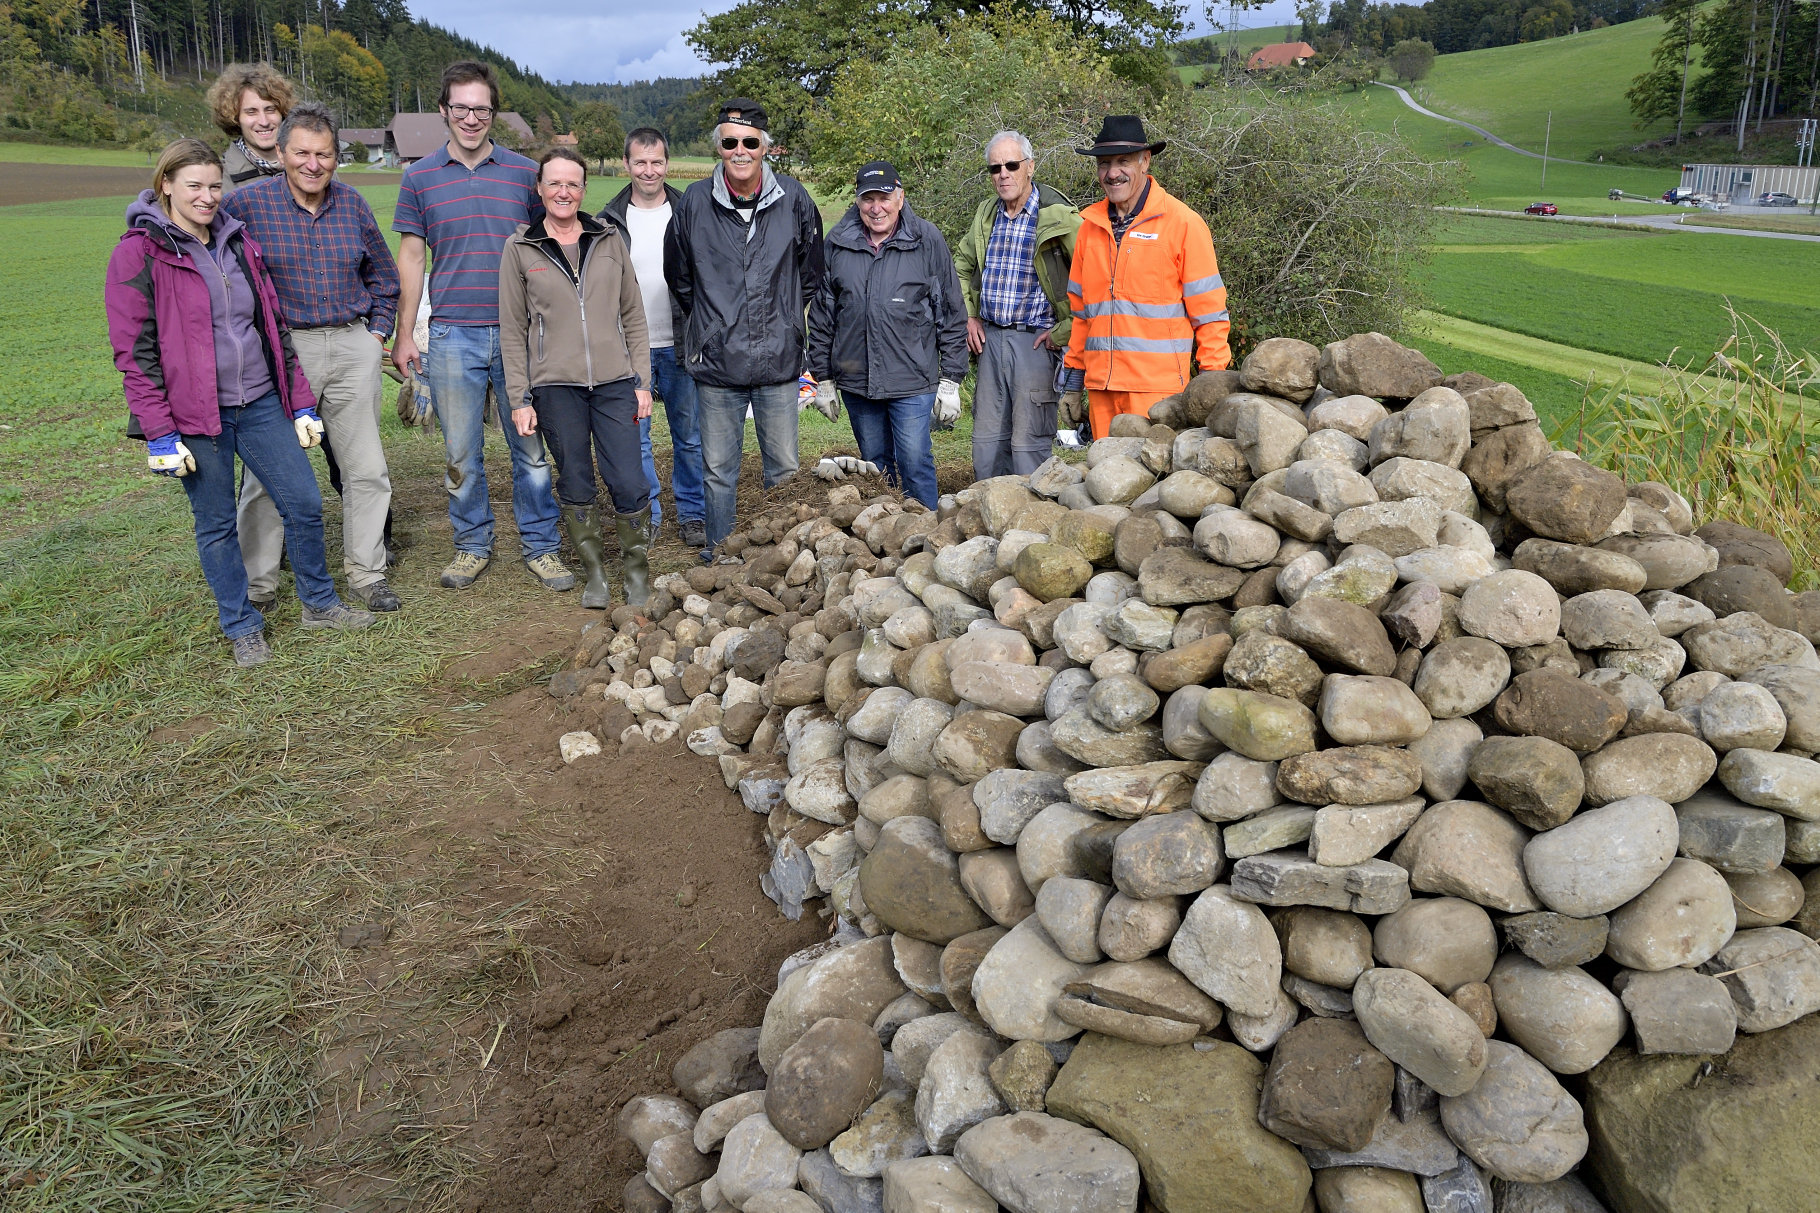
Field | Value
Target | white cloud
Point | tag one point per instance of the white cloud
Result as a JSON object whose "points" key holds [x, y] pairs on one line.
{"points": [[613, 40]]}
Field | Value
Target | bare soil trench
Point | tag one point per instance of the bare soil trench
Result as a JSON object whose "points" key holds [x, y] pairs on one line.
{"points": [[561, 935]]}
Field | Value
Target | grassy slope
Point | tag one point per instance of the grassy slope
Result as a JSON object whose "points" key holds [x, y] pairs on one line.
{"points": [[1510, 90], [1504, 180]]}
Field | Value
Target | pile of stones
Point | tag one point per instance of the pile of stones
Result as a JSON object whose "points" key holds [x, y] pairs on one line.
{"points": [[1327, 796]]}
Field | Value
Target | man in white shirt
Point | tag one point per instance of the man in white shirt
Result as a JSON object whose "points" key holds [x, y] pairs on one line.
{"points": [[642, 210]]}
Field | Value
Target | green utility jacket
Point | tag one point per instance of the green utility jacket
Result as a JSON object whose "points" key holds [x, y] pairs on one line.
{"points": [[1057, 220]]}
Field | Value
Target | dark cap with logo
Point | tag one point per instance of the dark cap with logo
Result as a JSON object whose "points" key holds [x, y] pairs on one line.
{"points": [[878, 176], [745, 112]]}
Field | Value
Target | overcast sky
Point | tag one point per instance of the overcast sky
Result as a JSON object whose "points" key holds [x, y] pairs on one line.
{"points": [[616, 40]]}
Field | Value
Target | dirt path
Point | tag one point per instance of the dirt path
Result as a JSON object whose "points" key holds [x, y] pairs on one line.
{"points": [[23, 183], [558, 937]]}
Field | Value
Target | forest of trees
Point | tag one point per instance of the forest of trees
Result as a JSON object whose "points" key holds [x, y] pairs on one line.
{"points": [[679, 106], [1744, 60], [1466, 25], [67, 64]]}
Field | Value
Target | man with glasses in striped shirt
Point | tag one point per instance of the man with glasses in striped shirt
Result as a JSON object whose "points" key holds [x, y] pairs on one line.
{"points": [[461, 203], [1013, 265]]}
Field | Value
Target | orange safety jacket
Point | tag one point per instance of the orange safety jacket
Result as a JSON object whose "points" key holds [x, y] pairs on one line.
{"points": [[1144, 304]]}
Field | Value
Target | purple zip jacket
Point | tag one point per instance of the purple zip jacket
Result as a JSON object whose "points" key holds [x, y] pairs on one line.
{"points": [[161, 323]]}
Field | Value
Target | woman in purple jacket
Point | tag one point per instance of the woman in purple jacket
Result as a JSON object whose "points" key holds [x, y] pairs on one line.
{"points": [[210, 374]]}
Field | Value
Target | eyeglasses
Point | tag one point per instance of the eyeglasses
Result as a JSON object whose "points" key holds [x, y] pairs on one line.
{"points": [[750, 142], [1010, 166], [564, 187], [461, 112]]}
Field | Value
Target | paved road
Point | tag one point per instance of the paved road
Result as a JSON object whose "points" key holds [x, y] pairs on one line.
{"points": [[1508, 146], [1667, 223]]}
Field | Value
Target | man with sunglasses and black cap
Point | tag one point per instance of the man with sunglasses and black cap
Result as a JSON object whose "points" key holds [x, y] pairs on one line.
{"points": [[1013, 263], [1145, 288], [743, 257]]}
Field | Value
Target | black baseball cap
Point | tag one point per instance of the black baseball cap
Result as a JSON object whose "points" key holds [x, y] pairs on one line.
{"points": [[745, 112], [875, 177]]}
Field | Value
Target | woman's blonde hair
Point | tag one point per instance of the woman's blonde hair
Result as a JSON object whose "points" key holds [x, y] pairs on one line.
{"points": [[262, 78], [181, 153]]}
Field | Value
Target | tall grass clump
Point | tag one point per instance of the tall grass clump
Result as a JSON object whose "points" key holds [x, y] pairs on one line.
{"points": [[1736, 436]]}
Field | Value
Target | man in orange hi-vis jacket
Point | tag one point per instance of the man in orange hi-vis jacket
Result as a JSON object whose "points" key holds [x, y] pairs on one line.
{"points": [[1145, 289]]}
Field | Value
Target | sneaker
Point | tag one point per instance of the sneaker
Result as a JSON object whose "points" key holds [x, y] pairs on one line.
{"points": [[464, 570], [262, 603], [338, 618], [694, 532], [377, 596], [549, 570], [252, 650]]}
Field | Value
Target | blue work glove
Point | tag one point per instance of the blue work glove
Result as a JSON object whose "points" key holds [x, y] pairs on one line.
{"points": [[167, 456], [309, 428]]}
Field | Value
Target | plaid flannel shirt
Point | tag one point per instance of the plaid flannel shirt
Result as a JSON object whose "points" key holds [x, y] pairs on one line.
{"points": [[330, 268], [1009, 291]]}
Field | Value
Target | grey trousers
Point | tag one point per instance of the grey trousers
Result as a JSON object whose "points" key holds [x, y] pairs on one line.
{"points": [[1013, 404], [342, 365]]}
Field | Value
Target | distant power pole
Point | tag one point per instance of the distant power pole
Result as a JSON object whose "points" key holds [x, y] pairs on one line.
{"points": [[1546, 132]]}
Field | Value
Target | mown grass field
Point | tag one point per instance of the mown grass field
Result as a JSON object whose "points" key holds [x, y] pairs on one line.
{"points": [[1642, 296]]}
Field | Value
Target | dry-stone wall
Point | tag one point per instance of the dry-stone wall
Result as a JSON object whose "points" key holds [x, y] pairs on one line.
{"points": [[1327, 797]]}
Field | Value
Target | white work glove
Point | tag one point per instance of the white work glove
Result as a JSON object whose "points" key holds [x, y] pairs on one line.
{"points": [[838, 467], [826, 402], [167, 456], [947, 403], [309, 428]]}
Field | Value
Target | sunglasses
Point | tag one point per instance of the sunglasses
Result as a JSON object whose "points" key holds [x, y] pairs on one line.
{"points": [[1010, 166], [750, 142]]}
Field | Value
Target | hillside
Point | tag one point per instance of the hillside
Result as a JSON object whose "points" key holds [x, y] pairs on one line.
{"points": [[1505, 180], [1509, 90]]}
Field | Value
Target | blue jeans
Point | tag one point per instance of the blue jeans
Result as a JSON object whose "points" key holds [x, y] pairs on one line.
{"points": [[895, 435], [461, 360], [683, 412], [723, 438], [262, 435]]}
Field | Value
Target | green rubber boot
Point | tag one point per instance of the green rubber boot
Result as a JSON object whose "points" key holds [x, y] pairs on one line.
{"points": [[634, 543], [590, 547]]}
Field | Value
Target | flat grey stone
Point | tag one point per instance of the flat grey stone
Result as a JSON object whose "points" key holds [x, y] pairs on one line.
{"points": [[1290, 878]]}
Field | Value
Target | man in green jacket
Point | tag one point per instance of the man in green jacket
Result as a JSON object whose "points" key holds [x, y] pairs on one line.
{"points": [[1013, 264]]}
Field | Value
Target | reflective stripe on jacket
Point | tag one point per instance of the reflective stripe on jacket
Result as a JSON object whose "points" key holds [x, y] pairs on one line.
{"points": [[1144, 305]]}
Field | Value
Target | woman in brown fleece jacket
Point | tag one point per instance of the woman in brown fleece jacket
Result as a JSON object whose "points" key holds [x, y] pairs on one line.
{"points": [[584, 380]]}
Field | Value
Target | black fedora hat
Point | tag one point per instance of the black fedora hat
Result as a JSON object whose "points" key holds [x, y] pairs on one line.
{"points": [[1122, 134]]}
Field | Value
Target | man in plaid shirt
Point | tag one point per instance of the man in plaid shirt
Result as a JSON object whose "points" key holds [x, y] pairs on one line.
{"points": [[1013, 264], [338, 286]]}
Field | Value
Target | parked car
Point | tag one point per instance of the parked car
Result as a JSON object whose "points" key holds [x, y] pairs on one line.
{"points": [[1541, 208], [1775, 198]]}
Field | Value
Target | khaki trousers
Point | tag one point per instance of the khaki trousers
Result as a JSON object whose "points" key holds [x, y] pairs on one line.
{"points": [[342, 365]]}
